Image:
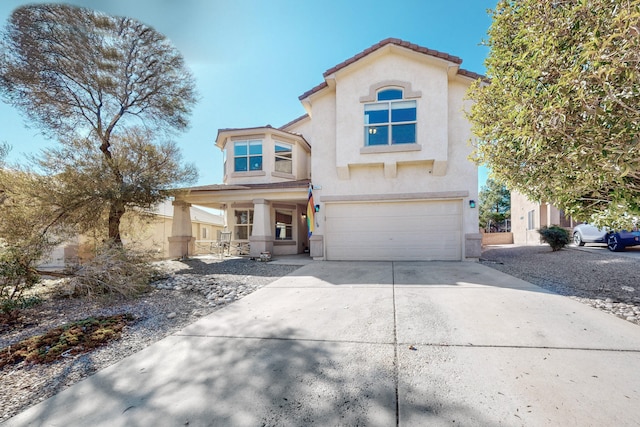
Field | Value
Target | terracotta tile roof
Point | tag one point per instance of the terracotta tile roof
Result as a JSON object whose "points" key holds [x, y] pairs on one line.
{"points": [[257, 128], [292, 122], [397, 42], [472, 75]]}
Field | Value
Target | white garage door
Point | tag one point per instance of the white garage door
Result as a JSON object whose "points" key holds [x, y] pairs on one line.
{"points": [[394, 231]]}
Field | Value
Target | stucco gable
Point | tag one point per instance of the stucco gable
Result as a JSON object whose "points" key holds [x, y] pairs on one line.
{"points": [[453, 60]]}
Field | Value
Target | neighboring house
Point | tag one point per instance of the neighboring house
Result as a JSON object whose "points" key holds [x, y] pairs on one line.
{"points": [[149, 233], [385, 145], [528, 217], [154, 234]]}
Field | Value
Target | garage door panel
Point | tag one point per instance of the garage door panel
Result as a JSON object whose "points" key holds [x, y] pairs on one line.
{"points": [[417, 224], [393, 209], [394, 231], [382, 251]]}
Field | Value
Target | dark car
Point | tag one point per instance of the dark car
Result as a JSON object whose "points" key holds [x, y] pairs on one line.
{"points": [[616, 241]]}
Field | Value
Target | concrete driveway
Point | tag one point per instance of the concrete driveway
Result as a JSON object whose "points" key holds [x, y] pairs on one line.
{"points": [[375, 344]]}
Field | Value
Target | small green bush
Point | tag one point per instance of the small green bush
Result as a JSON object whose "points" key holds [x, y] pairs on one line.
{"points": [[17, 274], [20, 303], [556, 237]]}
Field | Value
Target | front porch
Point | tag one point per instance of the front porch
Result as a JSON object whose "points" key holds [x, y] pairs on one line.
{"points": [[258, 218]]}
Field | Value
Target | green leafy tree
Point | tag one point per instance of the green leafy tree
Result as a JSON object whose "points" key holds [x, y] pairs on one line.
{"points": [[91, 78], [559, 117], [495, 203]]}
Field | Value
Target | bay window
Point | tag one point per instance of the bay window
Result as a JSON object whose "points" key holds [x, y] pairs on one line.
{"points": [[283, 157], [247, 156]]}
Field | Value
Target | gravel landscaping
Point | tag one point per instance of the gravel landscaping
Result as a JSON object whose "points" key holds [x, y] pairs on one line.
{"points": [[197, 287]]}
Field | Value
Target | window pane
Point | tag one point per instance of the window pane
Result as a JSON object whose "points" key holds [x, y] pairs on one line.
{"points": [[376, 135], [282, 148], [255, 148], [284, 228], [387, 94], [242, 232], [403, 111], [283, 165], [240, 164], [255, 163], [241, 217], [284, 232], [403, 134], [376, 116], [240, 149]]}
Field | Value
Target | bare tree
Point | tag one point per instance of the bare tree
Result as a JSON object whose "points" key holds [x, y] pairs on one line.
{"points": [[80, 75]]}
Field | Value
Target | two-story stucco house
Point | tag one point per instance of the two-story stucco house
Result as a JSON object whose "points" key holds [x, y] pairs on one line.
{"points": [[385, 146]]}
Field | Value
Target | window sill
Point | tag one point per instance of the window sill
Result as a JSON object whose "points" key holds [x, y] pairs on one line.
{"points": [[283, 175], [284, 242], [250, 173], [397, 148]]}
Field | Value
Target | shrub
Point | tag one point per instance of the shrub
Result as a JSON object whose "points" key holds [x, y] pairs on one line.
{"points": [[556, 237], [17, 274], [113, 270]]}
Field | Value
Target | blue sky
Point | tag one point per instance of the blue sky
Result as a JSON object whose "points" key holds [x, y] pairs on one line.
{"points": [[253, 58]]}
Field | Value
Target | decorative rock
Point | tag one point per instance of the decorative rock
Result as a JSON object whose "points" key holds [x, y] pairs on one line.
{"points": [[171, 315]]}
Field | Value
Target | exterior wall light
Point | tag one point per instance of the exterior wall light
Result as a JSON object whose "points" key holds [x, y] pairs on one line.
{"points": [[472, 204]]}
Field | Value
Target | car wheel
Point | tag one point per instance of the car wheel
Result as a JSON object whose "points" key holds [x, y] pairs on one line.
{"points": [[577, 239], [613, 243]]}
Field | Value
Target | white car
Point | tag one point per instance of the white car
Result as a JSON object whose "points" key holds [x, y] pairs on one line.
{"points": [[587, 233]]}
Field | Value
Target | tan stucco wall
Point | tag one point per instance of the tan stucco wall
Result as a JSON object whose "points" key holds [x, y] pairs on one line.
{"points": [[520, 208], [356, 82], [545, 214], [337, 136], [147, 234]]}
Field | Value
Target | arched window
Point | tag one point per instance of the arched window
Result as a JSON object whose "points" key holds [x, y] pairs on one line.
{"points": [[391, 120]]}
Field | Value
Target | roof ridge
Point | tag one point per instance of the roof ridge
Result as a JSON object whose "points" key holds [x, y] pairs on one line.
{"points": [[379, 45]]}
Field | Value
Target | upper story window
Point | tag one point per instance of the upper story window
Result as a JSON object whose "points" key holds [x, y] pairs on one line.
{"points": [[391, 120], [247, 155], [284, 157]]}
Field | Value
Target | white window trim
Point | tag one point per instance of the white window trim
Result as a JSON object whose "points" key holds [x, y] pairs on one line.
{"points": [[248, 156], [276, 155], [291, 213], [390, 123], [249, 225]]}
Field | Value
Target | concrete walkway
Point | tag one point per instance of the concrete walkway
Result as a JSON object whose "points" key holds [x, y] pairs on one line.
{"points": [[375, 344]]}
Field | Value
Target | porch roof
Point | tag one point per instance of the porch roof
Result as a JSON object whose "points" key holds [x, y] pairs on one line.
{"points": [[304, 183], [217, 195]]}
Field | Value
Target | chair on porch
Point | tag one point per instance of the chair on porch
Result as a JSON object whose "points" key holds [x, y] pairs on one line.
{"points": [[224, 242]]}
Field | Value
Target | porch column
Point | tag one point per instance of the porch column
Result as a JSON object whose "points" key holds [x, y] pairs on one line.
{"points": [[181, 242], [261, 238]]}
